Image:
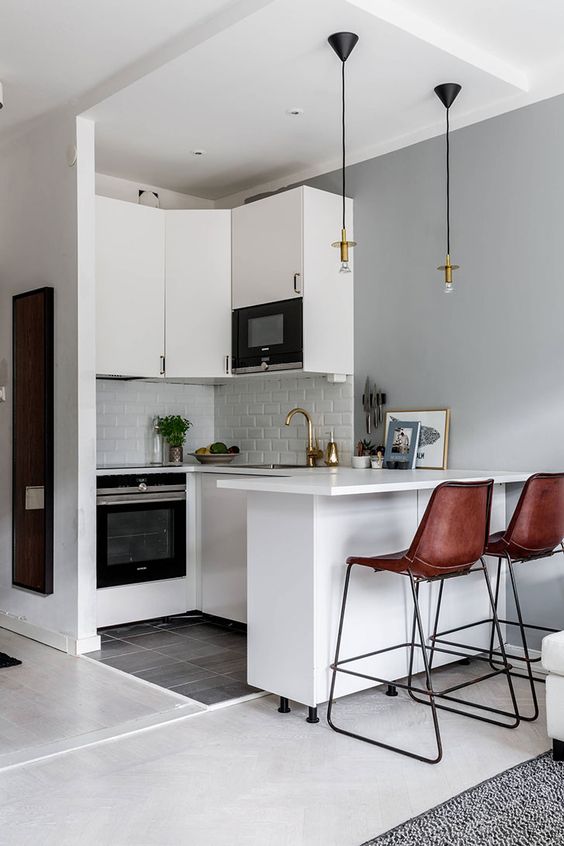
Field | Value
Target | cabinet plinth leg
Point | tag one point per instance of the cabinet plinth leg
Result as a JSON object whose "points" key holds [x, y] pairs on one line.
{"points": [[284, 707], [312, 715], [392, 690]]}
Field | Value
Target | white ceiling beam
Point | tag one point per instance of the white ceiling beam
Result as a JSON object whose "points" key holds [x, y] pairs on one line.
{"points": [[449, 42]]}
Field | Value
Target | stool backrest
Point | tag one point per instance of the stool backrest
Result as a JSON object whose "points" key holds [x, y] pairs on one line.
{"points": [[537, 525], [454, 530]]}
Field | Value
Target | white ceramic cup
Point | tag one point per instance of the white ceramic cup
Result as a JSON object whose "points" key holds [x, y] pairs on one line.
{"points": [[361, 462]]}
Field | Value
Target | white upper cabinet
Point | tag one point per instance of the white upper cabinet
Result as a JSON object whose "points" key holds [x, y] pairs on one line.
{"points": [[198, 293], [129, 288], [268, 249], [291, 233]]}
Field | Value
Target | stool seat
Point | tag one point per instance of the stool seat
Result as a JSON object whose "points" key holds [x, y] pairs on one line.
{"points": [[395, 562], [499, 545]]}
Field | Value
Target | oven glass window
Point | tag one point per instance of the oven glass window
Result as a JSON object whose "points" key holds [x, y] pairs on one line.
{"points": [[266, 331], [140, 535]]}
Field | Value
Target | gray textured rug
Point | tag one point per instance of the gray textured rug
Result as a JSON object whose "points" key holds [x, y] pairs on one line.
{"points": [[523, 806]]}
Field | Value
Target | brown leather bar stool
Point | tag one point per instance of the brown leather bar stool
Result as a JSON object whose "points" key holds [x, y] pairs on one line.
{"points": [[449, 542], [535, 531]]}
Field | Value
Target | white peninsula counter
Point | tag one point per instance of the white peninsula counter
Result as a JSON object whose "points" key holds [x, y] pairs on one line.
{"points": [[300, 529]]}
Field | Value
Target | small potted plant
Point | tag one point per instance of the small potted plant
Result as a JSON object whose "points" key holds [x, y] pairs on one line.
{"points": [[173, 429]]}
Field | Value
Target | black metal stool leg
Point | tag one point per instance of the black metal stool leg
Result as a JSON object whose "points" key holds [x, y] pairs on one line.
{"points": [[524, 642], [428, 691], [506, 665], [558, 750], [496, 600], [338, 646]]}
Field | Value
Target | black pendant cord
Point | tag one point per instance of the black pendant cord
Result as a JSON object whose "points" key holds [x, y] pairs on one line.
{"points": [[343, 125], [448, 180]]}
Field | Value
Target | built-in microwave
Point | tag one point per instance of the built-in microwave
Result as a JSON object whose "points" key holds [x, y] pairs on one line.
{"points": [[268, 337]]}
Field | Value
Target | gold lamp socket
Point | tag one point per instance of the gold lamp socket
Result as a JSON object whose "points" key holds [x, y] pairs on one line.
{"points": [[447, 268], [344, 245]]}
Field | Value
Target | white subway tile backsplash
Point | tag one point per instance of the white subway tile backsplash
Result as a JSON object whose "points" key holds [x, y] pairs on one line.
{"points": [[125, 411], [246, 411], [261, 404]]}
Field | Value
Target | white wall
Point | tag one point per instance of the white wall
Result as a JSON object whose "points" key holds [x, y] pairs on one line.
{"points": [[38, 246], [250, 413], [125, 189], [126, 410]]}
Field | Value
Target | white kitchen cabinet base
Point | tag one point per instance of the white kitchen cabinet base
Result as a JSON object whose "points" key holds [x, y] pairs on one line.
{"points": [[297, 547], [143, 601]]}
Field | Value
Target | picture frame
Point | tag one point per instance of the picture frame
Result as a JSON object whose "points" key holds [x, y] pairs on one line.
{"points": [[432, 450], [402, 439]]}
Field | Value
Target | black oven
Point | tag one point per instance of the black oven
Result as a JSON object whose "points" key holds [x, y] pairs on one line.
{"points": [[141, 528], [268, 337]]}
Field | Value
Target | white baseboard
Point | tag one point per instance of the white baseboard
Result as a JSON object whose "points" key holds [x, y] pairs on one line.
{"points": [[57, 640]]}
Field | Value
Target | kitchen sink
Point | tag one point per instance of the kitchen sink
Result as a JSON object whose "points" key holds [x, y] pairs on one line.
{"points": [[281, 467]]}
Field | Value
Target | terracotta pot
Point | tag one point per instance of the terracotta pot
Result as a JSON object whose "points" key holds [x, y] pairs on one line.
{"points": [[175, 454]]}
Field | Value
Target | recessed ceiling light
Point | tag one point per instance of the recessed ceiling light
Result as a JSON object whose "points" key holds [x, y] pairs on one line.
{"points": [[198, 152], [294, 112]]}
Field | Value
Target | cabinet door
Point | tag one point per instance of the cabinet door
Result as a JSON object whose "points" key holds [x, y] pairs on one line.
{"points": [[198, 293], [224, 549], [129, 288], [267, 250]]}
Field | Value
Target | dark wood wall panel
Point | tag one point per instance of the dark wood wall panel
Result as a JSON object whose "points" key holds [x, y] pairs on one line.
{"points": [[32, 439]]}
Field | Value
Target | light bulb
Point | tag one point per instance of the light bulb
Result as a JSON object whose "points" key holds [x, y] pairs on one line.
{"points": [[449, 288], [344, 268]]}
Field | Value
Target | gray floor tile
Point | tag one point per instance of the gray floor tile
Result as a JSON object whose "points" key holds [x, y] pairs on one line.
{"points": [[112, 647], [130, 630], [188, 649], [211, 634], [230, 690], [145, 659], [179, 623], [174, 674], [230, 662], [154, 640], [193, 689]]}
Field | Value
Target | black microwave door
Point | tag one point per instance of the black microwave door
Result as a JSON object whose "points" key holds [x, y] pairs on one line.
{"points": [[141, 542], [271, 330]]}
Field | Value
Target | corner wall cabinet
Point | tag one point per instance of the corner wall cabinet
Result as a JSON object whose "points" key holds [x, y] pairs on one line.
{"points": [[163, 291], [282, 249], [130, 288]]}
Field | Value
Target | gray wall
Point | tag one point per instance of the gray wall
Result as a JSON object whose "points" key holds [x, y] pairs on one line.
{"points": [[493, 350]]}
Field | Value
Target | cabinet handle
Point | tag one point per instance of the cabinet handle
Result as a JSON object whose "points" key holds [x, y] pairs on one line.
{"points": [[297, 289], [227, 365], [163, 362]]}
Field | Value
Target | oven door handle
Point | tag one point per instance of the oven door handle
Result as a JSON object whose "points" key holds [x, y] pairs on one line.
{"points": [[140, 499]]}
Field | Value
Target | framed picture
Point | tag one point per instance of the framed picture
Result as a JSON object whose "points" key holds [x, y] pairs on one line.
{"points": [[432, 450], [401, 444]]}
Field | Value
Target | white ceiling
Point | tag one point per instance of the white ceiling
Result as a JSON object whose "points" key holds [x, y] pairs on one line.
{"points": [[220, 74], [53, 52]]}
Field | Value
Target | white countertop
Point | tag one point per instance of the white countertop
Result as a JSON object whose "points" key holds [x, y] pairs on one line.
{"points": [[235, 469], [344, 481]]}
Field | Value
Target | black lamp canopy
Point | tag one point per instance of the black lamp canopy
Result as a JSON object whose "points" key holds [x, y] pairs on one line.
{"points": [[343, 43], [447, 93]]}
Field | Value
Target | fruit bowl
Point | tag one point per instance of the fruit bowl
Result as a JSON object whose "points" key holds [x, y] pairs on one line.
{"points": [[217, 458]]}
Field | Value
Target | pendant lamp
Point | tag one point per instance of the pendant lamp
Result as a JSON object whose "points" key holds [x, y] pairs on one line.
{"points": [[447, 94], [343, 43]]}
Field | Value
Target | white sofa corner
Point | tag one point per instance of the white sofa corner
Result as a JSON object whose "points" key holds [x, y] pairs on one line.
{"points": [[553, 662]]}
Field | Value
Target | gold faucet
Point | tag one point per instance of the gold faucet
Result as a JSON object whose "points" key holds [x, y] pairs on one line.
{"points": [[312, 452]]}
